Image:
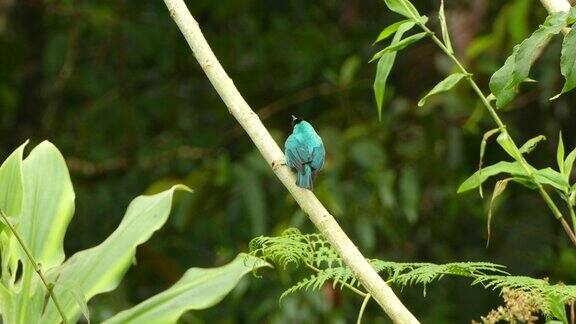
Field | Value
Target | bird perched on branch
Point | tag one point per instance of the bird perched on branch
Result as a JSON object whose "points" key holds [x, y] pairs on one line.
{"points": [[304, 152]]}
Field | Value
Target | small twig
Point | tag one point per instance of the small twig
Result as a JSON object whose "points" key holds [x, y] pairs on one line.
{"points": [[362, 308], [49, 286]]}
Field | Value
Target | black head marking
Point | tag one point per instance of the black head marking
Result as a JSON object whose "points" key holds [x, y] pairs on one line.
{"points": [[295, 120]]}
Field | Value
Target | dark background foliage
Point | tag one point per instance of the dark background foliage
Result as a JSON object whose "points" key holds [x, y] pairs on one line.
{"points": [[115, 87]]}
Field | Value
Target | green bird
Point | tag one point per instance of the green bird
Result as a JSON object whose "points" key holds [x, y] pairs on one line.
{"points": [[304, 152]]}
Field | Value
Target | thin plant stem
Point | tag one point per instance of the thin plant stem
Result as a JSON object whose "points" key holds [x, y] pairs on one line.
{"points": [[354, 289], [572, 215], [519, 157], [49, 286], [362, 308]]}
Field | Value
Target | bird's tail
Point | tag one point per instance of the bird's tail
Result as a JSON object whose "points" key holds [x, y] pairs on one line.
{"points": [[304, 179]]}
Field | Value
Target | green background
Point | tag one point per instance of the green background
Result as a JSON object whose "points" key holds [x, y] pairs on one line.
{"points": [[115, 87]]}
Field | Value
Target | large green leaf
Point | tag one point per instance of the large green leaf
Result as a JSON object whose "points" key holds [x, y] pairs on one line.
{"points": [[197, 289], [505, 82], [512, 168], [11, 196], [568, 60], [11, 183], [385, 64], [100, 269], [48, 205]]}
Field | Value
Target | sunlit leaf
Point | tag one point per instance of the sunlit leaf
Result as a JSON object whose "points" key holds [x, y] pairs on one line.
{"points": [[100, 268], [444, 85], [403, 7], [506, 143], [389, 31], [512, 168], [199, 288], [551, 177]]}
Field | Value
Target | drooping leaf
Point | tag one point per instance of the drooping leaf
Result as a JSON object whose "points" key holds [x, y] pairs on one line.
{"points": [[444, 85], [512, 168], [499, 188], [197, 289], [100, 268], [485, 138], [395, 47], [444, 26], [389, 31], [530, 144], [403, 7], [568, 61], [560, 153], [384, 66]]}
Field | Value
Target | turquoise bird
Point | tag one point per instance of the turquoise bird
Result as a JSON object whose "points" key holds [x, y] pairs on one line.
{"points": [[304, 152]]}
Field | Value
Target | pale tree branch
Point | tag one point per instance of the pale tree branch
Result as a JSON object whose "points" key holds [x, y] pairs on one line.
{"points": [[556, 5], [251, 123]]}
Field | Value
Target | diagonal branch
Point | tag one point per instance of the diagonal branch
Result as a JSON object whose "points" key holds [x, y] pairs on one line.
{"points": [[251, 123]]}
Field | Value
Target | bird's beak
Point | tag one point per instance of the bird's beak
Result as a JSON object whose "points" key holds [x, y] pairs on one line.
{"points": [[294, 118]]}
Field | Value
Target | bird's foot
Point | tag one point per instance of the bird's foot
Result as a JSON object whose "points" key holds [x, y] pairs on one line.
{"points": [[277, 164]]}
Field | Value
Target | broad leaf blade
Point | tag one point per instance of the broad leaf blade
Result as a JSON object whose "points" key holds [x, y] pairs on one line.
{"points": [[11, 183], [100, 269], [553, 178], [568, 61], [197, 289], [505, 82], [512, 168], [48, 205], [444, 85]]}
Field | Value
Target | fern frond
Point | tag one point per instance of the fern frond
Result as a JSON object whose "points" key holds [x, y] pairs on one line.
{"points": [[313, 251]]}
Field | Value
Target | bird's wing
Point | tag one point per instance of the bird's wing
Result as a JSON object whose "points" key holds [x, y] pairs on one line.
{"points": [[296, 153], [318, 155]]}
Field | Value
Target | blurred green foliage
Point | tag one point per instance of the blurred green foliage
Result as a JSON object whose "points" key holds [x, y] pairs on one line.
{"points": [[115, 87]]}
